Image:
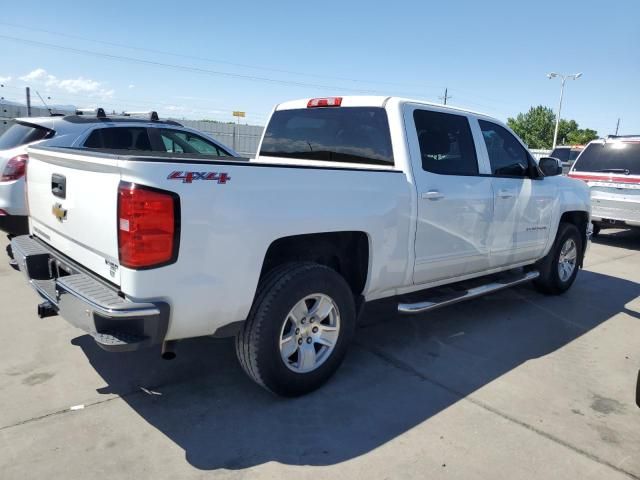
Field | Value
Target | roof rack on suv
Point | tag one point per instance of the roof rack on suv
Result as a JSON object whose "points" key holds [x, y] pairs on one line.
{"points": [[100, 113], [151, 115]]}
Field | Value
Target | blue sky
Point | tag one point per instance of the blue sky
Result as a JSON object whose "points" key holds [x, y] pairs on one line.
{"points": [[492, 56]]}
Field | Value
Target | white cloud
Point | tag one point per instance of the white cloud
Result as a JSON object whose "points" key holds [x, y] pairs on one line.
{"points": [[79, 85], [51, 81], [5, 79], [132, 86], [76, 85], [35, 75]]}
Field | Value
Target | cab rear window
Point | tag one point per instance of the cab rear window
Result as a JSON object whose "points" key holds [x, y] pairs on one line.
{"points": [[337, 134], [612, 157], [22, 134]]}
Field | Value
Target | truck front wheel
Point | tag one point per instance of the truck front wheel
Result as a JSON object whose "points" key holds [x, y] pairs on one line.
{"points": [[298, 329], [558, 270]]}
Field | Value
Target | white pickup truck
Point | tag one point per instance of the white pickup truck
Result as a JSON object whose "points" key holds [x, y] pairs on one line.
{"points": [[349, 200]]}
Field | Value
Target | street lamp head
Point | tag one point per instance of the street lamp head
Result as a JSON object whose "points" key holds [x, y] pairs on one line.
{"points": [[577, 76], [551, 75]]}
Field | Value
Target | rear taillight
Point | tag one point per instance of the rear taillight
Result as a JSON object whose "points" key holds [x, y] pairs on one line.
{"points": [[325, 102], [148, 226], [15, 168]]}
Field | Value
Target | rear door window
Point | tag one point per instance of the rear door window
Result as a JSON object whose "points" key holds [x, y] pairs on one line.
{"points": [[22, 134], [119, 138], [178, 141], [613, 157], [335, 134], [446, 143]]}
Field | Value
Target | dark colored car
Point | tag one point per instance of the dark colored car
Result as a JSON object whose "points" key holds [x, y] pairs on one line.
{"points": [[567, 155], [97, 131]]}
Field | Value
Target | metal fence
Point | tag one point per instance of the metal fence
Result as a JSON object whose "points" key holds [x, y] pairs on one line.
{"points": [[243, 139]]}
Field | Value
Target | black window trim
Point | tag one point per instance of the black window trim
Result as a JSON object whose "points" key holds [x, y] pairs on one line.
{"points": [[473, 142], [155, 138]]}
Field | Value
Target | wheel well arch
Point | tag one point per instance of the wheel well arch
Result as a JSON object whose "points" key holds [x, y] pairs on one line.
{"points": [[347, 252], [580, 219]]}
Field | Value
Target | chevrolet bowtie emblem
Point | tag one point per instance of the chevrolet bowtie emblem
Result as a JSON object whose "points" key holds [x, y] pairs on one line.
{"points": [[59, 212]]}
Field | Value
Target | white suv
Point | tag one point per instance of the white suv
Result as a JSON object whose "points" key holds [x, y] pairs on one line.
{"points": [[96, 131], [611, 169], [13, 160]]}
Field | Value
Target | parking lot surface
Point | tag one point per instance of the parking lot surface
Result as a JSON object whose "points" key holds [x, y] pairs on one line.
{"points": [[512, 385]]}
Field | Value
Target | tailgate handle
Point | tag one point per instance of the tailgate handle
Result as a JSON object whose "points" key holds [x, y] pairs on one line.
{"points": [[59, 185]]}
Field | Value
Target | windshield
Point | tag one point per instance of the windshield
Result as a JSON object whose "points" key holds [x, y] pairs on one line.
{"points": [[616, 157], [22, 134], [341, 134]]}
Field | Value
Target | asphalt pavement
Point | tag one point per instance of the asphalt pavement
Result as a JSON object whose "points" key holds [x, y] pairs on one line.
{"points": [[515, 385]]}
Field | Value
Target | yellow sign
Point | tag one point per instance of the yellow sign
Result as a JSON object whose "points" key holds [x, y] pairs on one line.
{"points": [[238, 114]]}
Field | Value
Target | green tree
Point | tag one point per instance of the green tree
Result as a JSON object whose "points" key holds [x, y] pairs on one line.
{"points": [[581, 136], [565, 128], [536, 128]]}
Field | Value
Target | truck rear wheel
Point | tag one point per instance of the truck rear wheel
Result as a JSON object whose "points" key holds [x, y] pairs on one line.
{"points": [[298, 329], [558, 270]]}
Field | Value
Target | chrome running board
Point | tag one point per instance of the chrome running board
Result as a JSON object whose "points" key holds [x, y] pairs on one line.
{"points": [[455, 297]]}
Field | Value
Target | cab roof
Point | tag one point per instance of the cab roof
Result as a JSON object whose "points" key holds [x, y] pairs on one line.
{"points": [[371, 101]]}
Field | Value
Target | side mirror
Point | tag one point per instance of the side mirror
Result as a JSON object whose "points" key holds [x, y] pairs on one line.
{"points": [[550, 166]]}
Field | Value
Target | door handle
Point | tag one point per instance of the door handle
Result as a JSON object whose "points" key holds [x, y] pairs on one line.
{"points": [[432, 195], [505, 193]]}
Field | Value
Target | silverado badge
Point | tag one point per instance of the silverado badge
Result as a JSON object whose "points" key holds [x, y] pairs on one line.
{"points": [[59, 212]]}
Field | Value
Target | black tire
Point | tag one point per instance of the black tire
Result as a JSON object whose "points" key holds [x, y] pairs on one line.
{"points": [[549, 281], [257, 345], [596, 230]]}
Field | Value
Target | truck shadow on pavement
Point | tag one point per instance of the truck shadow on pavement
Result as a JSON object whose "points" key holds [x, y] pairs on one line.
{"points": [[629, 239], [401, 372]]}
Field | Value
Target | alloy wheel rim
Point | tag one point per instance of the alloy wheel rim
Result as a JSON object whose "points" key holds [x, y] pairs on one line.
{"points": [[567, 260], [309, 333]]}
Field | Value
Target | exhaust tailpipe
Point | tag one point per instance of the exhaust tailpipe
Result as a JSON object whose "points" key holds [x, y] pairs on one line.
{"points": [[47, 309], [168, 350]]}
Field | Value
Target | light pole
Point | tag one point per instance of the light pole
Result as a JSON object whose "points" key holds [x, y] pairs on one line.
{"points": [[551, 75]]}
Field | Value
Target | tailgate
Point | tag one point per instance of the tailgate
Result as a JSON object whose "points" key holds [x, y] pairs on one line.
{"points": [[617, 201], [72, 198]]}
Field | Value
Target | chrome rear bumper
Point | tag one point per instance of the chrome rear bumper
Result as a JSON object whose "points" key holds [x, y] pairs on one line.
{"points": [[95, 306]]}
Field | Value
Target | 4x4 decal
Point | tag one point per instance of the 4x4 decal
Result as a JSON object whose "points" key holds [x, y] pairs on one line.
{"points": [[190, 177]]}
